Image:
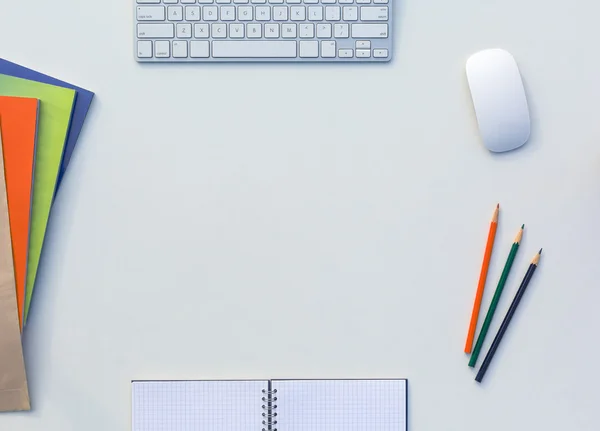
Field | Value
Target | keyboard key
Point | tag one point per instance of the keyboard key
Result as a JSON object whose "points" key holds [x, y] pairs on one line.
{"points": [[263, 13], [192, 13], [175, 13], [315, 13], [228, 13], [298, 13], [144, 49], [289, 31], [184, 31], [328, 49], [368, 13], [219, 31], [199, 49], [280, 13], [363, 53], [245, 13], [210, 13], [380, 53], [201, 31], [341, 30], [272, 31], [350, 13], [346, 53], [309, 49], [148, 1], [254, 31], [333, 13], [307, 31], [324, 31], [254, 49], [236, 31], [363, 44], [156, 31], [180, 49], [162, 48], [369, 31], [151, 13]]}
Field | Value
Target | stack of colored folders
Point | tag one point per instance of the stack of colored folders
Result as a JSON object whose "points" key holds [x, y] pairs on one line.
{"points": [[41, 118]]}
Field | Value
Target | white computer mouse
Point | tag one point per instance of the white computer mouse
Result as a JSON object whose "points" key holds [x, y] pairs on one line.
{"points": [[499, 100]]}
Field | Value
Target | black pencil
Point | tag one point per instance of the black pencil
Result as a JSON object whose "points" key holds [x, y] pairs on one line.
{"points": [[508, 317]]}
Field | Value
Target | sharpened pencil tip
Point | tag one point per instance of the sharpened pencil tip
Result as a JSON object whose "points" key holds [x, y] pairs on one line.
{"points": [[523, 227], [540, 251], [498, 206]]}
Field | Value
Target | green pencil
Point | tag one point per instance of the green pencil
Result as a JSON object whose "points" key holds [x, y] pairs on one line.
{"points": [[490, 314]]}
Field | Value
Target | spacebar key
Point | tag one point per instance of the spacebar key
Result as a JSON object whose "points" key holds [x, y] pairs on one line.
{"points": [[254, 49]]}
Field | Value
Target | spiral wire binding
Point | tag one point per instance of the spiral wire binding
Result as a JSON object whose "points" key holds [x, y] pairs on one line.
{"points": [[269, 408]]}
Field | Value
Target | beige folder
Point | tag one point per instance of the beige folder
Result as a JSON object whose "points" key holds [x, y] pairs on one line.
{"points": [[14, 395]]}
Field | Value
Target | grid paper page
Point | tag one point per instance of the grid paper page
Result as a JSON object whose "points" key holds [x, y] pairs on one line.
{"points": [[341, 405], [197, 405]]}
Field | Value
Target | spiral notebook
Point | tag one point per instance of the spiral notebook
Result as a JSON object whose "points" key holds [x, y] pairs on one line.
{"points": [[270, 405]]}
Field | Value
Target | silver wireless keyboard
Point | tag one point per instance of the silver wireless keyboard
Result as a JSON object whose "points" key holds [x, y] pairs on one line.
{"points": [[263, 30]]}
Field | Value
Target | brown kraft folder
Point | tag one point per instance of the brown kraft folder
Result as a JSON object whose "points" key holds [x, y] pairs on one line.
{"points": [[14, 394]]}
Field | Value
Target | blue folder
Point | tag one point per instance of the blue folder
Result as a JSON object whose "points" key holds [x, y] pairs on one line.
{"points": [[82, 105]]}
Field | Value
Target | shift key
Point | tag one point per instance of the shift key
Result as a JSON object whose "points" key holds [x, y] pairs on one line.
{"points": [[155, 31], [369, 31]]}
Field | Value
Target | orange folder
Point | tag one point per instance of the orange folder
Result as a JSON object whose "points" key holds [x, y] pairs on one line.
{"points": [[18, 125]]}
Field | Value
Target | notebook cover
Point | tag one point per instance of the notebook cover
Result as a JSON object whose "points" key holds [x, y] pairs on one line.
{"points": [[56, 105], [14, 395], [82, 105], [18, 118]]}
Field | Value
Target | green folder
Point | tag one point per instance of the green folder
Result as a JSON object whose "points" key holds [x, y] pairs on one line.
{"points": [[56, 106]]}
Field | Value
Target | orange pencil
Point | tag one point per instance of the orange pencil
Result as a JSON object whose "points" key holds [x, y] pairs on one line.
{"points": [[482, 278]]}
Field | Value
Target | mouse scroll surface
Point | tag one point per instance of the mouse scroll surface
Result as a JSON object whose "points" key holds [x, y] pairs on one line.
{"points": [[499, 100]]}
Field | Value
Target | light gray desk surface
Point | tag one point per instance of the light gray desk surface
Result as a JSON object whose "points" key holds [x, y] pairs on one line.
{"points": [[256, 221]]}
